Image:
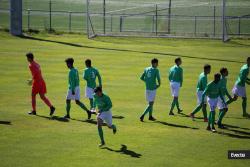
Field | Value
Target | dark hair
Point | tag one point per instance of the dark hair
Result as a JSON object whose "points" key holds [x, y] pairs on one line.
{"points": [[69, 60], [217, 75], [223, 70], [88, 62], [98, 89], [30, 55], [154, 60], [248, 59], [207, 66], [177, 59]]}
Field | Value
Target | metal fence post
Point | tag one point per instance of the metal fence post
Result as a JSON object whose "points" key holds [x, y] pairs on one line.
{"points": [[156, 19], [169, 15], [70, 21], [121, 24], [104, 16], [111, 22], [195, 25], [153, 23], [50, 15], [28, 19], [214, 19], [239, 25]]}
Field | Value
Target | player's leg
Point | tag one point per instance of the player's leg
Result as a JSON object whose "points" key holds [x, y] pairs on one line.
{"points": [[68, 106], [175, 99], [108, 120], [212, 104], [33, 103], [204, 110], [147, 110], [84, 108], [223, 109], [91, 103], [100, 131], [89, 94], [47, 102], [150, 96], [244, 106], [151, 118]]}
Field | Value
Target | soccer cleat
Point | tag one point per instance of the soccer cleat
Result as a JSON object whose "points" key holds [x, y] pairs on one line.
{"points": [[213, 129], [32, 113], [246, 115], [52, 110], [66, 116], [114, 130], [208, 128], [89, 114], [221, 126], [171, 113], [102, 144], [205, 120], [142, 118], [180, 111], [191, 116], [151, 118]]}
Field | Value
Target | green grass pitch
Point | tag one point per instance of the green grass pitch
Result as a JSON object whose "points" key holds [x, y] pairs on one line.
{"points": [[170, 141]]}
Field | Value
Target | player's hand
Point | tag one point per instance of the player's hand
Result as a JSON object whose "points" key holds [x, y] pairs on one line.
{"points": [[73, 92], [29, 82]]}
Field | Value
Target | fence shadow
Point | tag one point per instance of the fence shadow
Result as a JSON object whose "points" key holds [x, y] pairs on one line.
{"points": [[236, 127], [124, 150], [127, 50], [5, 122]]}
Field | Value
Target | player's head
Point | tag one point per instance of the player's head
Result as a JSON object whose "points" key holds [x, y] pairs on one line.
{"points": [[30, 56], [216, 77], [88, 63], [98, 91], [224, 71], [154, 62], [248, 61], [69, 62], [207, 68], [178, 61]]}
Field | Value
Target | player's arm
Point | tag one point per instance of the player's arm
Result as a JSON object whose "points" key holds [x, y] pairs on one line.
{"points": [[72, 82], [99, 78], [221, 96], [108, 105], [158, 77], [143, 76], [170, 75], [181, 77], [204, 95], [84, 75]]}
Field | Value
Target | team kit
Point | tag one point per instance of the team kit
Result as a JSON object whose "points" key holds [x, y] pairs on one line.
{"points": [[214, 94]]}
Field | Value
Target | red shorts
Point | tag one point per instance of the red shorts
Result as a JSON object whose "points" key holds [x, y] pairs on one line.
{"points": [[39, 87]]}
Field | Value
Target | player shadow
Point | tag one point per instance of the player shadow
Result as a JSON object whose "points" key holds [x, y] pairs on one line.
{"points": [[238, 131], [236, 127], [126, 50], [5, 122], [175, 125], [118, 117], [90, 121], [233, 135], [57, 118], [188, 116], [238, 117], [124, 150]]}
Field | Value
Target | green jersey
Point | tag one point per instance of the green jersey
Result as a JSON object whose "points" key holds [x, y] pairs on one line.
{"points": [[90, 74], [149, 76], [202, 82], [213, 91], [223, 85], [176, 74], [73, 79], [103, 103], [242, 78]]}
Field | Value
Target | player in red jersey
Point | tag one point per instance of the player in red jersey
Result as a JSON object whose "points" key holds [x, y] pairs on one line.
{"points": [[38, 85]]}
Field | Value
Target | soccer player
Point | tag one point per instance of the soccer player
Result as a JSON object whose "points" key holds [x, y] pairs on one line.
{"points": [[222, 107], [73, 90], [176, 80], [38, 85], [149, 76], [104, 105], [213, 92], [201, 85], [240, 89], [90, 74]]}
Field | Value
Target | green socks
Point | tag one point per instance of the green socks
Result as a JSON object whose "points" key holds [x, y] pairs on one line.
{"points": [[221, 115], [100, 132], [68, 105], [177, 104], [148, 109], [197, 109], [211, 118], [82, 106], [244, 105], [230, 101], [91, 101], [173, 105], [204, 110], [151, 111]]}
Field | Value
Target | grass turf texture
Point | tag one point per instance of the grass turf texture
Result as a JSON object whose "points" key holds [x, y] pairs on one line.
{"points": [[170, 141]]}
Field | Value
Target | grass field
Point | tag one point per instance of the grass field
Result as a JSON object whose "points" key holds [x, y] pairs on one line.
{"points": [[170, 141]]}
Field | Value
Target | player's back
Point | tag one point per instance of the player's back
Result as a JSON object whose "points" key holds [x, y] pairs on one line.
{"points": [[36, 71]]}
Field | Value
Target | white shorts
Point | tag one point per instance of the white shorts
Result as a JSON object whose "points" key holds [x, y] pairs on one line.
{"points": [[150, 95], [175, 88], [89, 92], [106, 117], [239, 91], [212, 103], [76, 96], [220, 103], [199, 97]]}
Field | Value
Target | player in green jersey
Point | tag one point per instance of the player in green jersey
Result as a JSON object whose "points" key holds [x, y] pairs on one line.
{"points": [[90, 74], [240, 88], [222, 107], [150, 76], [73, 90], [213, 92], [201, 85], [176, 79], [104, 105]]}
